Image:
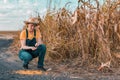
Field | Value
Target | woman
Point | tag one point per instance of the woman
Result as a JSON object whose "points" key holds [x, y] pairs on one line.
{"points": [[32, 45]]}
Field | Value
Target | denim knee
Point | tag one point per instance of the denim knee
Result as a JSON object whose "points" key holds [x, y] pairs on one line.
{"points": [[25, 56], [42, 47]]}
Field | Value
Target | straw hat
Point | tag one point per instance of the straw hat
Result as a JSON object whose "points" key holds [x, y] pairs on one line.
{"points": [[32, 21]]}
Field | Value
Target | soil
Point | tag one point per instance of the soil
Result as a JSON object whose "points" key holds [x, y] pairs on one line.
{"points": [[11, 68]]}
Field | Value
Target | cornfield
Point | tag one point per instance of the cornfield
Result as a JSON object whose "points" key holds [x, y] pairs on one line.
{"points": [[90, 35]]}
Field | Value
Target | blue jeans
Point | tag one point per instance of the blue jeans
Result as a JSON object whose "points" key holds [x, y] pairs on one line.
{"points": [[27, 56]]}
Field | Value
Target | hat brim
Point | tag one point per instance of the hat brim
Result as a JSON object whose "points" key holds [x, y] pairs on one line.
{"points": [[27, 22]]}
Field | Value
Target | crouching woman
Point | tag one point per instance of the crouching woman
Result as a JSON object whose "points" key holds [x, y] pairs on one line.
{"points": [[32, 45]]}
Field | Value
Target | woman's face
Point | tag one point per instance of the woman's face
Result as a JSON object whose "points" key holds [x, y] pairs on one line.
{"points": [[31, 27]]}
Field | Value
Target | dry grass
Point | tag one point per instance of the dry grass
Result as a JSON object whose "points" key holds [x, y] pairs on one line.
{"points": [[89, 36]]}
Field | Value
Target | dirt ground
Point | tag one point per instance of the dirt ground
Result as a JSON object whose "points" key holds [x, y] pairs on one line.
{"points": [[11, 68]]}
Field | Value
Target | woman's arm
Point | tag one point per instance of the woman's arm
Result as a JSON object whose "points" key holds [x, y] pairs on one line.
{"points": [[38, 38], [39, 42], [23, 45]]}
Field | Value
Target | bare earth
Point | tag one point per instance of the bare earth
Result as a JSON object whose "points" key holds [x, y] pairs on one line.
{"points": [[11, 68]]}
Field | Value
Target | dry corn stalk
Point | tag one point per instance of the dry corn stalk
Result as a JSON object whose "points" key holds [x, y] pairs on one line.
{"points": [[107, 64], [74, 18]]}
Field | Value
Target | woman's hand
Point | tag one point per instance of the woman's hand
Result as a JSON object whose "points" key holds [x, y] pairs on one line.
{"points": [[33, 48], [36, 45]]}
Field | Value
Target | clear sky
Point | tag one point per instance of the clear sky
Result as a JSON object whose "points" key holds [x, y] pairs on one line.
{"points": [[14, 12]]}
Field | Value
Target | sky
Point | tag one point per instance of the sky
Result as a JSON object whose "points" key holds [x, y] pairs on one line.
{"points": [[14, 12]]}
